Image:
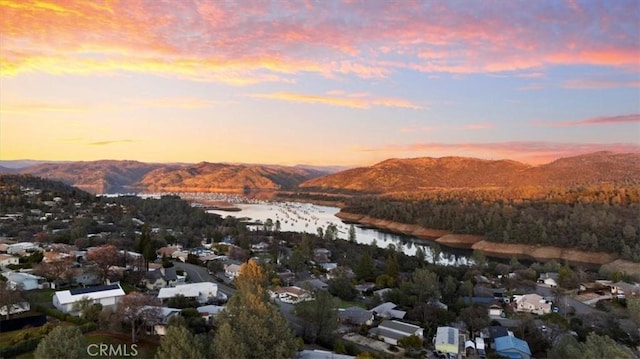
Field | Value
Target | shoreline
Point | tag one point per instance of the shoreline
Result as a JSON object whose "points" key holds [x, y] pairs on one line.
{"points": [[476, 242]]}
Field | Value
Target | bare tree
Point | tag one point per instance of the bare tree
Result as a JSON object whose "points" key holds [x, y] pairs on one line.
{"points": [[138, 310], [58, 269], [9, 297], [104, 257]]}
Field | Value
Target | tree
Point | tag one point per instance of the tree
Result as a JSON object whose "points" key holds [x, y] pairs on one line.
{"points": [[61, 342], [145, 247], [475, 317], [567, 278], [392, 269], [9, 297], [420, 256], [180, 343], [435, 251], [57, 269], [365, 269], [342, 288], [138, 309], [104, 258], [479, 259], [179, 301], [423, 286], [88, 309], [595, 347], [255, 326], [412, 342], [633, 308], [352, 233], [320, 316]]}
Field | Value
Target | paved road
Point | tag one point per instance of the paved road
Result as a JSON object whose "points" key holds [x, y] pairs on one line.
{"points": [[198, 274]]}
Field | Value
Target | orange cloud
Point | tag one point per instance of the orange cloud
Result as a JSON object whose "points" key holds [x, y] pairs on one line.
{"points": [[26, 107], [175, 102], [359, 101], [533, 152]]}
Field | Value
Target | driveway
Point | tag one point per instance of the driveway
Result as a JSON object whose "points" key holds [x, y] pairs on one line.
{"points": [[197, 274]]}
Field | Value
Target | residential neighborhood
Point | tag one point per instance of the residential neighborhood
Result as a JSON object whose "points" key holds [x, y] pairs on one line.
{"points": [[343, 297]]}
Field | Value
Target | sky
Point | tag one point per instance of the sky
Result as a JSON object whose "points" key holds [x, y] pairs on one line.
{"points": [[346, 83]]}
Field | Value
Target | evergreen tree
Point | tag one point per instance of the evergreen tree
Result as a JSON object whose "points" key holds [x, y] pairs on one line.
{"points": [[61, 342], [252, 327], [179, 343]]}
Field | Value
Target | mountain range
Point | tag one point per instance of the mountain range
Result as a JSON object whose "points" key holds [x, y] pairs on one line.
{"points": [[393, 175], [425, 173]]}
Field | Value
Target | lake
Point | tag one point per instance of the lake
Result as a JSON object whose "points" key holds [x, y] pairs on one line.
{"points": [[307, 217]]}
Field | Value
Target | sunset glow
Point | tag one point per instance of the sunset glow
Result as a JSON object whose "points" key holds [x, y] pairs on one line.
{"points": [[317, 82]]}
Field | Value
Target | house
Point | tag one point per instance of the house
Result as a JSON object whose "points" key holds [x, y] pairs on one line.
{"points": [[531, 303], [493, 332], [161, 278], [202, 292], [107, 295], [387, 310], [321, 255], [180, 255], [22, 247], [495, 310], [6, 259], [363, 288], [168, 251], [313, 284], [480, 348], [291, 294], [15, 308], [85, 276], [25, 281], [549, 279], [623, 289], [447, 340], [209, 312], [390, 331], [232, 270], [164, 315], [512, 347], [356, 316], [54, 256]]}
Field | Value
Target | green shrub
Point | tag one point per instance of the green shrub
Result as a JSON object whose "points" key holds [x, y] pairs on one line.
{"points": [[22, 347]]}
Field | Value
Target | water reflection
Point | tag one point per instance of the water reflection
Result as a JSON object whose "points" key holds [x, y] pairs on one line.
{"points": [[307, 218]]}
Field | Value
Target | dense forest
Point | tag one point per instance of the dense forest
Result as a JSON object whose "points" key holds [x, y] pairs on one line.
{"points": [[603, 218]]}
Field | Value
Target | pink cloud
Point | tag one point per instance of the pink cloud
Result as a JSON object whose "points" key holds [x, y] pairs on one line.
{"points": [[249, 42], [532, 152], [603, 120], [599, 83]]}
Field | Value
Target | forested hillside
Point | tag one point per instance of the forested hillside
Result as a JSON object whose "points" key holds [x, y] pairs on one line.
{"points": [[599, 218]]}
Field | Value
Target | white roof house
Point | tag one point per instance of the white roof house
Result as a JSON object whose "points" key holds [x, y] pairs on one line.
{"points": [[447, 340], [390, 331], [107, 295], [202, 292], [532, 303], [232, 270], [387, 310], [22, 246]]}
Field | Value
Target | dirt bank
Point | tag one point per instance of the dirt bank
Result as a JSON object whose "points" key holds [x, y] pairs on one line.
{"points": [[475, 242]]}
